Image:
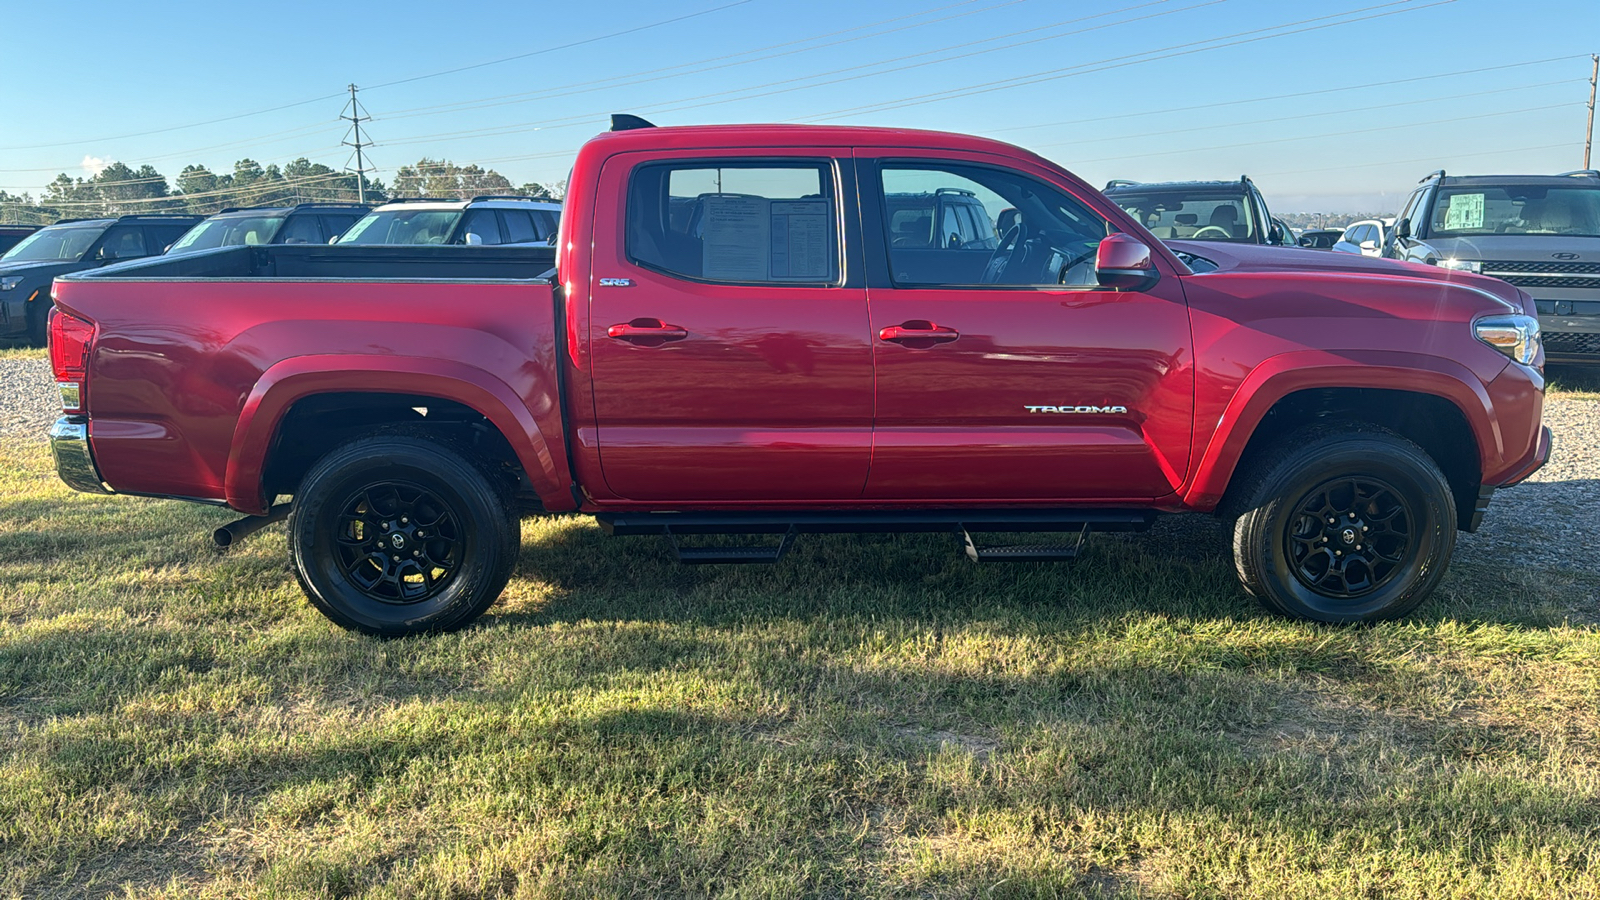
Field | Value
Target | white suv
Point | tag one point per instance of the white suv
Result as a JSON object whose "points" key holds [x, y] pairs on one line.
{"points": [[1365, 237], [485, 221]]}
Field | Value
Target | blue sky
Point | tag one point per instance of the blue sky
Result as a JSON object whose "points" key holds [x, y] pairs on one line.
{"points": [[1142, 89]]}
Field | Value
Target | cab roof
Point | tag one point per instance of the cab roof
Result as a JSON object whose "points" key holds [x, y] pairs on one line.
{"points": [[689, 137]]}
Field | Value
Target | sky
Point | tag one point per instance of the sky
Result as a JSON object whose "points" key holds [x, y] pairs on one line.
{"points": [[1333, 106]]}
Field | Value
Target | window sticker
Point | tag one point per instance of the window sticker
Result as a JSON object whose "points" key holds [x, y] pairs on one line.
{"points": [[801, 250], [1465, 211], [735, 238]]}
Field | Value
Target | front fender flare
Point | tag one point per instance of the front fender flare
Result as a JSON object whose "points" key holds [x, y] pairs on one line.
{"points": [[1279, 376], [291, 380]]}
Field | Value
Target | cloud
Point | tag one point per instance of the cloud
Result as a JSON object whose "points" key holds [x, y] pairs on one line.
{"points": [[94, 165]]}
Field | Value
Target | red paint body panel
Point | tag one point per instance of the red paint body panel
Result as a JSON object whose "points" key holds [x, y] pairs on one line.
{"points": [[788, 397]]}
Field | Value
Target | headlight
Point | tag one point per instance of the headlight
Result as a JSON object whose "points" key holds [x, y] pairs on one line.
{"points": [[1463, 265], [10, 283], [1515, 336]]}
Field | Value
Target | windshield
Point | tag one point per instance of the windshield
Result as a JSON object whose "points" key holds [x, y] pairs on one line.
{"points": [[1175, 215], [231, 231], [54, 244], [403, 226], [1517, 209]]}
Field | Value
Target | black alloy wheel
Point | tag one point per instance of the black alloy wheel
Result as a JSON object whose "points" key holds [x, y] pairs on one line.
{"points": [[1342, 523], [403, 533]]}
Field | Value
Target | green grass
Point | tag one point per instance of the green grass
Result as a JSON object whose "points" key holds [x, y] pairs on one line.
{"points": [[1574, 382], [23, 352], [874, 716]]}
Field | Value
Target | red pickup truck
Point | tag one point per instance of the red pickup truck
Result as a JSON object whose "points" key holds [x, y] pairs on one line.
{"points": [[775, 330]]}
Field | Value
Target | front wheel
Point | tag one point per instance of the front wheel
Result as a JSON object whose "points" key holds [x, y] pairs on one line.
{"points": [[1344, 525], [397, 534]]}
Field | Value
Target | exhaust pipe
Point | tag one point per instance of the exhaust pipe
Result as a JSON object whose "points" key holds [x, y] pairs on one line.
{"points": [[233, 532]]}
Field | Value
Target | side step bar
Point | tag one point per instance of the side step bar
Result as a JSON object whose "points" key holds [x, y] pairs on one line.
{"points": [[962, 523]]}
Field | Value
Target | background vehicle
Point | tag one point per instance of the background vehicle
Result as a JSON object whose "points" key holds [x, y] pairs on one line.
{"points": [[735, 344], [1366, 237], [303, 223], [11, 235], [1538, 232], [72, 245], [1231, 211], [487, 221], [1319, 239]]}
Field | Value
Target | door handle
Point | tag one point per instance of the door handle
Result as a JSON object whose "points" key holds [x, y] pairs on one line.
{"points": [[918, 333], [647, 332]]}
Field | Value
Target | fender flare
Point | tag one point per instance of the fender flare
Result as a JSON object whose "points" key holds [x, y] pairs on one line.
{"points": [[1279, 376], [291, 380]]}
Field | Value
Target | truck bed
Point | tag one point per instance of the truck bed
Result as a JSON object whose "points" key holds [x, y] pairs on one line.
{"points": [[333, 262]]}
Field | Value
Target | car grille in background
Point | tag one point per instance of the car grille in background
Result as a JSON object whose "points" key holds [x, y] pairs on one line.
{"points": [[1572, 342], [1545, 274]]}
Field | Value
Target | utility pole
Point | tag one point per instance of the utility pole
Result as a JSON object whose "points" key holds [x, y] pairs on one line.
{"points": [[1588, 138], [355, 118]]}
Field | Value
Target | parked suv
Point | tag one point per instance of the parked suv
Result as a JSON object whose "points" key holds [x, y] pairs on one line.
{"points": [[487, 220], [304, 223], [1366, 237], [11, 235], [72, 245], [1539, 232], [1201, 210]]}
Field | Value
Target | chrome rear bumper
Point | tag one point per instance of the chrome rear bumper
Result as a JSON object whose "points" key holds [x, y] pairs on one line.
{"points": [[69, 443]]}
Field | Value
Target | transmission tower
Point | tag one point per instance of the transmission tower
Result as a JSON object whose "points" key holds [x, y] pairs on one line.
{"points": [[356, 114]]}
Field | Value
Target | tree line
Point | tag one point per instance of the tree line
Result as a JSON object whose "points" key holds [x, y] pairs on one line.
{"points": [[120, 189]]}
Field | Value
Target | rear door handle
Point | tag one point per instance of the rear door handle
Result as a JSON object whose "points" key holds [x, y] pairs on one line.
{"points": [[918, 333], [647, 332]]}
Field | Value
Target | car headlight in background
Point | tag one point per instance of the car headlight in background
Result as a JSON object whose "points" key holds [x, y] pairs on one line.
{"points": [[1516, 336], [10, 283], [1460, 265]]}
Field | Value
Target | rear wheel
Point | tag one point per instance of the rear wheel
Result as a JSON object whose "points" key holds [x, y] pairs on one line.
{"points": [[400, 534], [1344, 525], [38, 315]]}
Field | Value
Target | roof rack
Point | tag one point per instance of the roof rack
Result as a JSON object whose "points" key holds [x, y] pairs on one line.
{"points": [[506, 197], [1582, 173], [1439, 173], [626, 122], [1118, 182], [336, 204], [425, 200], [156, 216]]}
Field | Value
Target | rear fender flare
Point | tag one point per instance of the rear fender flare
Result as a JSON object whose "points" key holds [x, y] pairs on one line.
{"points": [[292, 380], [1287, 373]]}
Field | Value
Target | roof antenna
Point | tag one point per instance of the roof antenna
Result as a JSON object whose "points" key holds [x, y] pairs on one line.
{"points": [[625, 122]]}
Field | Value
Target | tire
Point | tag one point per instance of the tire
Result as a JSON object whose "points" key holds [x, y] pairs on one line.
{"points": [[38, 318], [1343, 524], [399, 533]]}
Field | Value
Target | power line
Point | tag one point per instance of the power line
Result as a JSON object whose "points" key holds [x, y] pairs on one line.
{"points": [[566, 46], [119, 137]]}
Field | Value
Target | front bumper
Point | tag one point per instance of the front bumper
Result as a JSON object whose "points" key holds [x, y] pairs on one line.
{"points": [[69, 443], [1571, 330]]}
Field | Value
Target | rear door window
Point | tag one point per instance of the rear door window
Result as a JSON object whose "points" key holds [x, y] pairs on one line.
{"points": [[299, 230], [484, 224], [519, 226], [739, 221], [123, 242]]}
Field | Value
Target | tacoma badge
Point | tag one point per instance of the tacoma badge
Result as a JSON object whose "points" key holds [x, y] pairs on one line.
{"points": [[1112, 410]]}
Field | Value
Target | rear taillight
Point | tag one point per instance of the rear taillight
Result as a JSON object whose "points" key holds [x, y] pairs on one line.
{"points": [[70, 340]]}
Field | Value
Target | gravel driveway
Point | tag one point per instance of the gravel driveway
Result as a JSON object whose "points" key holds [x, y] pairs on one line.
{"points": [[1564, 496]]}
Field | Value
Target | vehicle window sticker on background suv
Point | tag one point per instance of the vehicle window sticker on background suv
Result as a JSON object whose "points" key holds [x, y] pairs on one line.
{"points": [[1465, 211]]}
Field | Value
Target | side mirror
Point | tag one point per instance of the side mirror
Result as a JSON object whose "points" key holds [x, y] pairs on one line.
{"points": [[1369, 245], [1123, 262], [474, 239], [1402, 228], [1275, 235]]}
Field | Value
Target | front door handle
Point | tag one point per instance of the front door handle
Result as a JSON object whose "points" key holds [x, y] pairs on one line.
{"points": [[918, 333], [647, 332]]}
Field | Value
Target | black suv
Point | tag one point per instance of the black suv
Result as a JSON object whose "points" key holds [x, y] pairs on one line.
{"points": [[304, 223], [72, 245], [1538, 232], [1201, 210]]}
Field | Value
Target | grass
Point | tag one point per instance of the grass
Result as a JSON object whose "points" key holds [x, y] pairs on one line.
{"points": [[874, 716], [23, 352], [1574, 382]]}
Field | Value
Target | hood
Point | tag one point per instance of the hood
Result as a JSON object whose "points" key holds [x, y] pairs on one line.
{"points": [[1517, 247], [50, 268], [1247, 258]]}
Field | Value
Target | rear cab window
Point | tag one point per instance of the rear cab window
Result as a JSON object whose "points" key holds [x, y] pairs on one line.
{"points": [[743, 221]]}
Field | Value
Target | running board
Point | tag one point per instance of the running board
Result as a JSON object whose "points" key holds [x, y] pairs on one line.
{"points": [[962, 523], [1023, 552]]}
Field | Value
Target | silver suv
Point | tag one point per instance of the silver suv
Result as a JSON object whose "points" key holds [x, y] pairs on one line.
{"points": [[1538, 232]]}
